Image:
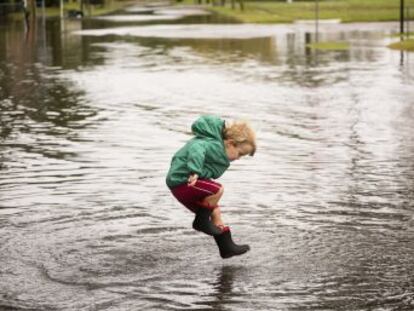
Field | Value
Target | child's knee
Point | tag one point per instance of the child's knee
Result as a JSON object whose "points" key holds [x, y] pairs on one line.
{"points": [[221, 191]]}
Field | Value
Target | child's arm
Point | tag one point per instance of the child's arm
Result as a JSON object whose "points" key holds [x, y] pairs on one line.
{"points": [[192, 179]]}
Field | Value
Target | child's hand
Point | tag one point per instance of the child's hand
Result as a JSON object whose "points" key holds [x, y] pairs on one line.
{"points": [[192, 179]]}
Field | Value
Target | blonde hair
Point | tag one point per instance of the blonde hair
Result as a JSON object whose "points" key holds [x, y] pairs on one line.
{"points": [[241, 133]]}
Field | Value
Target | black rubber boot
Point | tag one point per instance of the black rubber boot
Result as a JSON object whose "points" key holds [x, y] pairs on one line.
{"points": [[227, 247], [203, 223]]}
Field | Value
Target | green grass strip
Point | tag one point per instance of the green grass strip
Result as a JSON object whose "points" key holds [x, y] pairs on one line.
{"points": [[330, 46], [406, 45], [282, 12]]}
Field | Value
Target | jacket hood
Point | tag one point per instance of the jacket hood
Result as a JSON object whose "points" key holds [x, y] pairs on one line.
{"points": [[208, 127]]}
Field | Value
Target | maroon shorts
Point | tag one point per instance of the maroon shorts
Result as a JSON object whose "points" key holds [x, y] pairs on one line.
{"points": [[192, 196]]}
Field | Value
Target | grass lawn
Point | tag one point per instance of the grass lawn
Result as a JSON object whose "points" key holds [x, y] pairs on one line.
{"points": [[406, 45], [329, 46], [282, 12]]}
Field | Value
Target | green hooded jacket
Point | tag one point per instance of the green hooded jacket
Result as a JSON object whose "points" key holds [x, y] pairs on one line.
{"points": [[204, 154]]}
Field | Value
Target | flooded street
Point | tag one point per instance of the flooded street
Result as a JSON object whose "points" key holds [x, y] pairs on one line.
{"points": [[93, 110]]}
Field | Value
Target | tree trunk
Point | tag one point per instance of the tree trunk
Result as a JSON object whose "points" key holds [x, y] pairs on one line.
{"points": [[32, 8]]}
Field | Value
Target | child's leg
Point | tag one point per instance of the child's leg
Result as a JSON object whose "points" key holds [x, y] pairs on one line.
{"points": [[210, 222], [202, 199], [213, 200], [216, 217]]}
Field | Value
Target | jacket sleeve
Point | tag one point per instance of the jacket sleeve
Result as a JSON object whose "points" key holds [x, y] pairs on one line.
{"points": [[196, 156]]}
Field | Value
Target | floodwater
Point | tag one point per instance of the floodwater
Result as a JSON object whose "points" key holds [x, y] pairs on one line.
{"points": [[92, 111]]}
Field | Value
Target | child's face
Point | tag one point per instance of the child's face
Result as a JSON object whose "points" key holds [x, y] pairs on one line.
{"points": [[235, 152]]}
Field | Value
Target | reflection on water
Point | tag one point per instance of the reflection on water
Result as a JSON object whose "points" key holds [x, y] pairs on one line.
{"points": [[89, 123]]}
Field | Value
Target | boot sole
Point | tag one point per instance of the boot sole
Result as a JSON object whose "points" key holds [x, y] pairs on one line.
{"points": [[226, 256]]}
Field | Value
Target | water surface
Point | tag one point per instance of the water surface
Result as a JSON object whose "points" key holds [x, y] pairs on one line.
{"points": [[92, 111]]}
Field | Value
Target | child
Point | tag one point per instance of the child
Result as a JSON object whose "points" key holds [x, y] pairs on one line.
{"points": [[205, 157]]}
